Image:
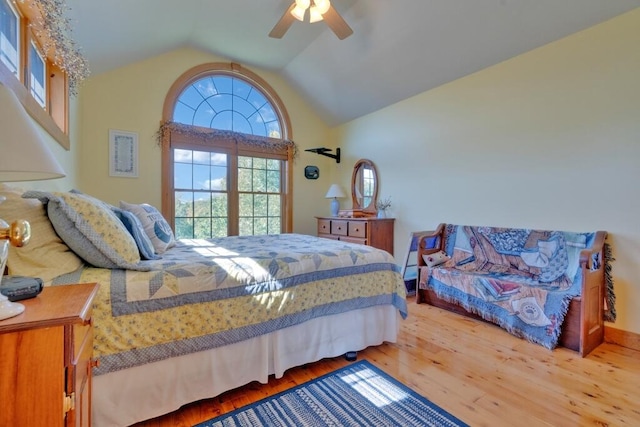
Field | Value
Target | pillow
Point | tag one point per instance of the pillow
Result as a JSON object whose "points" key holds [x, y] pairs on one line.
{"points": [[90, 229], [435, 259], [135, 228], [45, 256], [156, 227]]}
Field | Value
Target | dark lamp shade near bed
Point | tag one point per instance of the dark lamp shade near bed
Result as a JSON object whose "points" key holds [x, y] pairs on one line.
{"points": [[24, 156]]}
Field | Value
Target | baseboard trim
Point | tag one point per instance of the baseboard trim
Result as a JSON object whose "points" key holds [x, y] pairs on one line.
{"points": [[622, 338]]}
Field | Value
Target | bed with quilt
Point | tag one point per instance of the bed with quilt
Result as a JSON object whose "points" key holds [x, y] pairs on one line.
{"points": [[179, 321]]}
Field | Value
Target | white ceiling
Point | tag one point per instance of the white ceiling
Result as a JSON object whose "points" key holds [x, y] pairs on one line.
{"points": [[399, 47]]}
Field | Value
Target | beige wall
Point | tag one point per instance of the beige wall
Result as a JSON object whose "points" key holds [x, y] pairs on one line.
{"points": [[68, 159], [549, 139], [131, 99]]}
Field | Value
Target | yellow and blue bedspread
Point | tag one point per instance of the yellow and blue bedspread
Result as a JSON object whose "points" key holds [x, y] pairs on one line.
{"points": [[204, 294]]}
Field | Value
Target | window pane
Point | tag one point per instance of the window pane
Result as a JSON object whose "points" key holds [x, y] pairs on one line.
{"points": [[219, 227], [202, 228], [273, 181], [259, 181], [202, 205], [184, 228], [184, 204], [260, 226], [182, 176], [9, 40], [201, 177], [246, 227], [203, 116], [37, 80], [218, 178], [227, 103], [260, 207], [245, 180], [223, 121], [219, 206], [274, 225], [274, 205], [246, 205]]}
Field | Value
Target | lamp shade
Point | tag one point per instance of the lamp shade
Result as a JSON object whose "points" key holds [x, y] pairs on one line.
{"points": [[335, 191], [24, 155]]}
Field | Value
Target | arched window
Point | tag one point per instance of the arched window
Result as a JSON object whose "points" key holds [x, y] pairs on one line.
{"points": [[226, 155]]}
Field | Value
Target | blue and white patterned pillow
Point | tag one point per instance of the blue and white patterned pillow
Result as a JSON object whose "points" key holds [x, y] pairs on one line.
{"points": [[90, 229], [156, 227], [135, 228]]}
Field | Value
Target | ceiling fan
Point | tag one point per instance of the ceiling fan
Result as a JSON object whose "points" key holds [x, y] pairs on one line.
{"points": [[318, 10]]}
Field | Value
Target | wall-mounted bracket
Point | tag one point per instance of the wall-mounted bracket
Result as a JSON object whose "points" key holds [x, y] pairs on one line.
{"points": [[326, 152]]}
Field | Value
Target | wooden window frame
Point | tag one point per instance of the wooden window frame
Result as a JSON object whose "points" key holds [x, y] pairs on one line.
{"points": [[54, 117], [173, 140]]}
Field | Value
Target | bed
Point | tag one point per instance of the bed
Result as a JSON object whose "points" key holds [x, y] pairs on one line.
{"points": [[209, 315]]}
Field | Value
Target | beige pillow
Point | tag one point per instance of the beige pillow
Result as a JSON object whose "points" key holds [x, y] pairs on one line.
{"points": [[45, 256]]}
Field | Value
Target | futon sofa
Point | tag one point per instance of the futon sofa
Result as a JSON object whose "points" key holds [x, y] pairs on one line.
{"points": [[547, 286]]}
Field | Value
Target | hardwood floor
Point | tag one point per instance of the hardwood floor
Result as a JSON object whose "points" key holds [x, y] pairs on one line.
{"points": [[479, 373]]}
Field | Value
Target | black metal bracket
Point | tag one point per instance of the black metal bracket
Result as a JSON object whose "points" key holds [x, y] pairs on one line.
{"points": [[326, 152]]}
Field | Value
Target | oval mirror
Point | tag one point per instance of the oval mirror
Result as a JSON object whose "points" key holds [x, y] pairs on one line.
{"points": [[364, 186]]}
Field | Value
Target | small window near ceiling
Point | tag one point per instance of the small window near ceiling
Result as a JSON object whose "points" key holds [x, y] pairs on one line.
{"points": [[227, 103], [37, 75], [9, 37]]}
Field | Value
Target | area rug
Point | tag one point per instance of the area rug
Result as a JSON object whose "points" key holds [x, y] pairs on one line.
{"points": [[357, 395]]}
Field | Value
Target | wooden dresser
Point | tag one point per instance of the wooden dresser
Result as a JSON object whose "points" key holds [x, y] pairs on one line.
{"points": [[376, 232], [46, 359]]}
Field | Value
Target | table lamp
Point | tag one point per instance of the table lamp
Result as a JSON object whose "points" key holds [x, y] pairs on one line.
{"points": [[335, 192], [24, 156]]}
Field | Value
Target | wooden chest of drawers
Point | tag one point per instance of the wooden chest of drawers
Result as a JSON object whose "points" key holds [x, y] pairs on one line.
{"points": [[376, 232]]}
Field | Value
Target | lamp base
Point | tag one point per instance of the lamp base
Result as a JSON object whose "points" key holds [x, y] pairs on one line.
{"points": [[9, 309], [335, 207]]}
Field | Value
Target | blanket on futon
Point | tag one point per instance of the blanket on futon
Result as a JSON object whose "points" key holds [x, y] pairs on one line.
{"points": [[204, 294], [520, 279]]}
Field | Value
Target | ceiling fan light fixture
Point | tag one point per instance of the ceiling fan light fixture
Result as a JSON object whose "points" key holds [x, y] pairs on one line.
{"points": [[314, 14], [303, 4], [298, 12], [322, 6]]}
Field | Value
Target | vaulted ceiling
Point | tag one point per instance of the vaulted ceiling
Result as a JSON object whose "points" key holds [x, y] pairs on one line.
{"points": [[399, 47]]}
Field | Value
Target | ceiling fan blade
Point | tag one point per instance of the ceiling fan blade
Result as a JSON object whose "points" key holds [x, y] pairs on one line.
{"points": [[283, 24], [337, 23]]}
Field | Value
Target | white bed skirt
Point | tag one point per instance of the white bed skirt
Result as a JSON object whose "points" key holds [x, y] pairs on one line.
{"points": [[131, 395]]}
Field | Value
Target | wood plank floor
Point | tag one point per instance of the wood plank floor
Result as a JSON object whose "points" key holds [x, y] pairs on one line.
{"points": [[479, 373]]}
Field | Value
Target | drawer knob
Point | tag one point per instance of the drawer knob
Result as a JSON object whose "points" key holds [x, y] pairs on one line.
{"points": [[95, 362]]}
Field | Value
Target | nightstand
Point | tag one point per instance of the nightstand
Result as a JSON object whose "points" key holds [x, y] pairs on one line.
{"points": [[46, 359]]}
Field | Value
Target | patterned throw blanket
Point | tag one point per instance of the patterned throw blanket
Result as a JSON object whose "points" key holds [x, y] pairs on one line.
{"points": [[204, 294], [520, 279]]}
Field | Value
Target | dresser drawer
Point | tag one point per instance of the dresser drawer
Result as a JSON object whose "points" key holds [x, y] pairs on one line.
{"points": [[324, 226], [357, 229], [354, 240], [339, 227]]}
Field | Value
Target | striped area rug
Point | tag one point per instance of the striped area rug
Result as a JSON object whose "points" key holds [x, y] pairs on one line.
{"points": [[357, 395]]}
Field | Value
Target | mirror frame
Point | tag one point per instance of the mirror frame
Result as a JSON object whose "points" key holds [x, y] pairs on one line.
{"points": [[370, 209]]}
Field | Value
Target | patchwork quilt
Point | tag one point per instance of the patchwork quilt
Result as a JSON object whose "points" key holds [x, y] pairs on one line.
{"points": [[520, 279], [204, 294]]}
